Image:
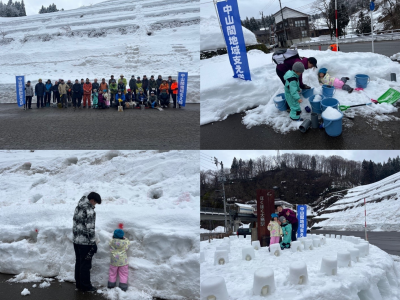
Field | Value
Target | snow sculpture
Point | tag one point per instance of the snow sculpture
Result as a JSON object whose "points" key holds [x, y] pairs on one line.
{"points": [[363, 248], [248, 253], [329, 265], [224, 246], [233, 237], [323, 240], [295, 246], [256, 245], [221, 257], [275, 249], [338, 237], [264, 282], [202, 257], [298, 273], [301, 239], [367, 243], [308, 244], [355, 254], [344, 259], [241, 237], [316, 242], [214, 288], [332, 236], [227, 240]]}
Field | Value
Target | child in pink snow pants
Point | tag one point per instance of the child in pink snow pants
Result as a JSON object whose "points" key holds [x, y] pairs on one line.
{"points": [[275, 229], [119, 260]]}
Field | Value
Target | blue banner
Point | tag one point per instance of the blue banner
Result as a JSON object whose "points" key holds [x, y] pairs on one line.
{"points": [[182, 88], [372, 6], [302, 217], [20, 90], [229, 17]]}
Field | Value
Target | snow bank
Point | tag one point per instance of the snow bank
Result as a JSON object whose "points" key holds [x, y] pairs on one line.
{"points": [[25, 292], [222, 95], [383, 208], [375, 273], [211, 37], [395, 57], [155, 195]]}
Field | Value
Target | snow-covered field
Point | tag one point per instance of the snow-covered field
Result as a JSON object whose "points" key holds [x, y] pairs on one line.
{"points": [[222, 95], [134, 37], [155, 195], [374, 277], [383, 208]]}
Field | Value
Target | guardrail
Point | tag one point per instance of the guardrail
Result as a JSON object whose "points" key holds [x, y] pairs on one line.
{"points": [[212, 210]]}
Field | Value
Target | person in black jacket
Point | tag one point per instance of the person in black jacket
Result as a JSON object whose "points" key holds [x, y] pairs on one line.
{"points": [[145, 85], [47, 94], [133, 85], [56, 93], [159, 81], [39, 93], [95, 85], [77, 92]]}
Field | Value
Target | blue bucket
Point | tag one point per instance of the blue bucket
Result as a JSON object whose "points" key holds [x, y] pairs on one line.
{"points": [[362, 80], [316, 106], [328, 91], [281, 104], [333, 127], [332, 102], [307, 93]]}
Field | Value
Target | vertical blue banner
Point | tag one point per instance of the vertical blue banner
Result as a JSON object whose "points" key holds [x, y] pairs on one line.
{"points": [[302, 217], [182, 87], [20, 90], [229, 17]]}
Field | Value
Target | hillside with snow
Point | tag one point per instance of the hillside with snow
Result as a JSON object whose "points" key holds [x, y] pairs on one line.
{"points": [[154, 195], [146, 37], [383, 208]]}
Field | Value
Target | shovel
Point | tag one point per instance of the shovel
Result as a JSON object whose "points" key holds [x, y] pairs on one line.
{"points": [[345, 107], [362, 90]]}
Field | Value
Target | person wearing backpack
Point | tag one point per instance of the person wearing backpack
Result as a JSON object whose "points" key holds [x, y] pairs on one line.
{"points": [[292, 90]]}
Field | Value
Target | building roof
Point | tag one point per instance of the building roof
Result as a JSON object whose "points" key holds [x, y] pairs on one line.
{"points": [[288, 8]]}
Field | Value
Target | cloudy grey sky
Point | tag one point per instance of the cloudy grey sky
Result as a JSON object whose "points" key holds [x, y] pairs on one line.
{"points": [[227, 155], [33, 6]]}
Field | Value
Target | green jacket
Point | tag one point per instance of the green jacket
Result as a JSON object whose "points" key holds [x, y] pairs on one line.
{"points": [[292, 87], [118, 250], [113, 88], [152, 84], [287, 235]]}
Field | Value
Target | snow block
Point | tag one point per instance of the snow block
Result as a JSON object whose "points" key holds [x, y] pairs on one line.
{"points": [[221, 257], [264, 282], [248, 253], [295, 246], [224, 246], [241, 237], [233, 238], [355, 254], [213, 288], [316, 242], [323, 240], [332, 236], [227, 240], [338, 237], [329, 265], [275, 249], [298, 273], [256, 245], [344, 259], [363, 248], [308, 244], [367, 243], [202, 257]]}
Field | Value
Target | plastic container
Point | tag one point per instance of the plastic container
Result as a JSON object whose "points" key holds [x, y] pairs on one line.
{"points": [[362, 80], [307, 93], [281, 104], [314, 120], [316, 106], [332, 102], [328, 91], [333, 127]]}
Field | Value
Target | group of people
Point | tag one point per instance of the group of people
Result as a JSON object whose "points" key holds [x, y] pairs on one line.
{"points": [[284, 223], [145, 92]]}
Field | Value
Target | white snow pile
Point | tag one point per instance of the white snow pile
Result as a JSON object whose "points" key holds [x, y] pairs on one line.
{"points": [[218, 229], [26, 277], [395, 57], [44, 284], [375, 276], [25, 292], [155, 195], [222, 95], [331, 113], [148, 37], [211, 37], [383, 208]]}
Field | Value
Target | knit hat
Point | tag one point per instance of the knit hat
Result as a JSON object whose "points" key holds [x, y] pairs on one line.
{"points": [[274, 216], [118, 233], [312, 61], [298, 67], [323, 70], [282, 219], [104, 91]]}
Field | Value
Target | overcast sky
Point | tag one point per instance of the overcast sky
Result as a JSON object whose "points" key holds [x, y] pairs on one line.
{"points": [[33, 6], [227, 155]]}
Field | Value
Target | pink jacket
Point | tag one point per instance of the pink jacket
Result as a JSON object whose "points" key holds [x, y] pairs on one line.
{"points": [[329, 80]]}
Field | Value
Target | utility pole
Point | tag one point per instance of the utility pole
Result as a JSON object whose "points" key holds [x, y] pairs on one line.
{"points": [[372, 7], [283, 23], [223, 189], [337, 41]]}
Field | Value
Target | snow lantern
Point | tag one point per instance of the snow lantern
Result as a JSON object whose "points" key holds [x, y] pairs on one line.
{"points": [[298, 273], [227, 240], [344, 237], [248, 253], [275, 249], [221, 257], [224, 246], [241, 237], [301, 239], [316, 242], [308, 244], [256, 245], [338, 237], [295, 246], [363, 248], [213, 288], [344, 259], [202, 257], [355, 254], [329, 265], [332, 236], [367, 243], [232, 237], [323, 240], [264, 282]]}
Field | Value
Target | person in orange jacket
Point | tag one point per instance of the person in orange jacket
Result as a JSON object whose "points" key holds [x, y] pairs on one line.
{"points": [[164, 94], [87, 92], [333, 47], [174, 89]]}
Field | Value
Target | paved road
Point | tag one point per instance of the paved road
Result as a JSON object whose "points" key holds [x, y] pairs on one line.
{"points": [[56, 291], [387, 241], [53, 128], [364, 134]]}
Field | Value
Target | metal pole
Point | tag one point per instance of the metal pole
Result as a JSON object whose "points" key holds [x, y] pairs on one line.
{"points": [[372, 30], [223, 191], [337, 42], [283, 23], [365, 213]]}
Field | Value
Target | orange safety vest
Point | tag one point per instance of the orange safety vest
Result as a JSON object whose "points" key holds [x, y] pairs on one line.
{"points": [[174, 88], [333, 47]]}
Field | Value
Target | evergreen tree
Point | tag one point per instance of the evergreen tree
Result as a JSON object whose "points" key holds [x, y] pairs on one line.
{"points": [[22, 12], [234, 167], [50, 9], [313, 163], [343, 16], [363, 23]]}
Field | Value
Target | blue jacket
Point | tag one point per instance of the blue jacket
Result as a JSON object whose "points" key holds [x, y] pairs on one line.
{"points": [[141, 97], [39, 89], [48, 87]]}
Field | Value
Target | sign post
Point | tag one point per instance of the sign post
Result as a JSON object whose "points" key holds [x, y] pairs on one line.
{"points": [[20, 90], [372, 7], [182, 88], [231, 26], [265, 207], [302, 216]]}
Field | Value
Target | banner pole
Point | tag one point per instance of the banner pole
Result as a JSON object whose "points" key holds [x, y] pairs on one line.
{"points": [[365, 214]]}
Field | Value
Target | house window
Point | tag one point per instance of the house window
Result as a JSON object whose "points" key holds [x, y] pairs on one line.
{"points": [[304, 33], [300, 23]]}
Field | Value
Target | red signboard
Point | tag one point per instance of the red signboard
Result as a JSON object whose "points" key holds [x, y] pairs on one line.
{"points": [[265, 207]]}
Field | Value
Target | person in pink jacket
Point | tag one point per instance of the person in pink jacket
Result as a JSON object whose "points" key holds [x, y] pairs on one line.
{"points": [[119, 260], [325, 78]]}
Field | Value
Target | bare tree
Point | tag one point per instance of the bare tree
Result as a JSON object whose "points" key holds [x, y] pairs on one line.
{"points": [[323, 7]]}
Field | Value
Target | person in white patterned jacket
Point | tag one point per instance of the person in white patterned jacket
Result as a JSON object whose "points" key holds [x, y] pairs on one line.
{"points": [[84, 240]]}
